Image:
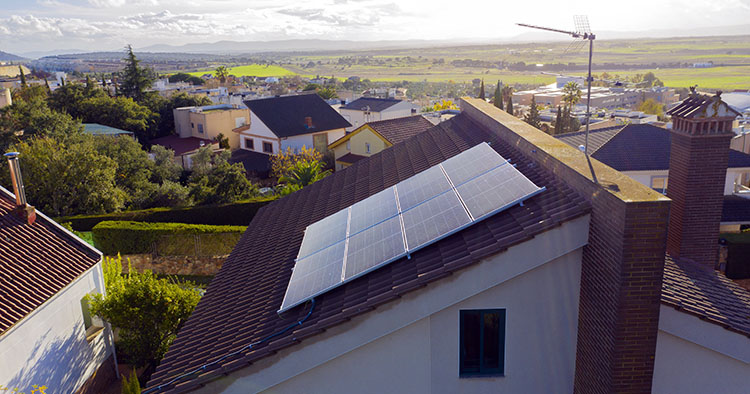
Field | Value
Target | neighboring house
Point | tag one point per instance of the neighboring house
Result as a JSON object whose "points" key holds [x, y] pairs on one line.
{"points": [[98, 129], [599, 285], [48, 337], [642, 151], [5, 98], [209, 121], [185, 148], [373, 137], [369, 109], [278, 123]]}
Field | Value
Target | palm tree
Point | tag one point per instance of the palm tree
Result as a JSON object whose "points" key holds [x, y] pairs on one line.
{"points": [[571, 94], [304, 173], [222, 72]]}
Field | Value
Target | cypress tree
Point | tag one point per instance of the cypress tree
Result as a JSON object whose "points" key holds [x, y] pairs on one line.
{"points": [[89, 89], [498, 97], [566, 118], [558, 122], [509, 108], [23, 77], [481, 90], [532, 117], [46, 83]]}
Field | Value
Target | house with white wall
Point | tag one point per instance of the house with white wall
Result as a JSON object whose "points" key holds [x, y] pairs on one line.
{"points": [[295, 121], [594, 283], [48, 337], [642, 151], [371, 109]]}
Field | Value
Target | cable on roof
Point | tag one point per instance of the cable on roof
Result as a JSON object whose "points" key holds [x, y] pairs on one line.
{"points": [[234, 353]]}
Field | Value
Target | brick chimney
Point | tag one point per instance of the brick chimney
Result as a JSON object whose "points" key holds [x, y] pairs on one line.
{"points": [[23, 210], [308, 122], [701, 133]]}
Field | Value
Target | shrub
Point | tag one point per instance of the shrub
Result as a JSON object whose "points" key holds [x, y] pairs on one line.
{"points": [[236, 214], [112, 237]]}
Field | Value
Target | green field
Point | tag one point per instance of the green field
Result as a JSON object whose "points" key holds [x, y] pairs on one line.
{"points": [[255, 70]]}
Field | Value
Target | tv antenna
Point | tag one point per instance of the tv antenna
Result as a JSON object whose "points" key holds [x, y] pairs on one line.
{"points": [[582, 33]]}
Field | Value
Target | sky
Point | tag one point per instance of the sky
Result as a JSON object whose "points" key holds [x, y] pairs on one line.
{"points": [[91, 25]]}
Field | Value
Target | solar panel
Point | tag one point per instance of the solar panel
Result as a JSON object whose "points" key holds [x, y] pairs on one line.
{"points": [[399, 220], [324, 233], [495, 190], [434, 219], [373, 210], [471, 163], [315, 275], [374, 247], [423, 186]]}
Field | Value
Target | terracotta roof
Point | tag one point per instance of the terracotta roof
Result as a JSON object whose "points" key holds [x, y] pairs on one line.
{"points": [[735, 210], [637, 147], [375, 104], [36, 262], [180, 146], [241, 303], [399, 129], [285, 115], [694, 289], [696, 105], [350, 158]]}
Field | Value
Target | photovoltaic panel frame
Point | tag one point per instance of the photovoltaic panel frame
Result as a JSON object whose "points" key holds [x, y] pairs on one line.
{"points": [[393, 223]]}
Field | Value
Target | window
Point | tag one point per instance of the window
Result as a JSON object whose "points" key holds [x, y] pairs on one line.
{"points": [[91, 324], [239, 122], [249, 144], [200, 128], [367, 147], [192, 125], [348, 145], [659, 183], [482, 342], [267, 147]]}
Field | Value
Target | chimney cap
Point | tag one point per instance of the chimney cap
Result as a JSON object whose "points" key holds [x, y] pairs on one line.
{"points": [[11, 155]]}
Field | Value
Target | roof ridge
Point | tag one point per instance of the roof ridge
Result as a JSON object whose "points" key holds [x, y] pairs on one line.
{"points": [[611, 137]]}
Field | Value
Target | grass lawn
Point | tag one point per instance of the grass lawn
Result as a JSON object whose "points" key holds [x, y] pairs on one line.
{"points": [[257, 70]]}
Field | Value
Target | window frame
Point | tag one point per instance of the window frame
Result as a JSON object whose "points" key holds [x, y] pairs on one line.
{"points": [[367, 147], [265, 144], [665, 180], [92, 324], [200, 128], [249, 143], [482, 371]]}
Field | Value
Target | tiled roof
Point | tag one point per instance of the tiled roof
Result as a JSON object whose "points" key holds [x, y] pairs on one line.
{"points": [[708, 294], [180, 146], [695, 105], [241, 303], [399, 129], [254, 162], [285, 115], [597, 137], [36, 262], [350, 158], [375, 104], [736, 209], [637, 147]]}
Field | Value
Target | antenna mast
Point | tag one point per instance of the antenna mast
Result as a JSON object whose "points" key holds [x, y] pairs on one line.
{"points": [[583, 32]]}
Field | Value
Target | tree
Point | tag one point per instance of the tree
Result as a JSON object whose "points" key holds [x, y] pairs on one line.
{"points": [[131, 386], [69, 178], [497, 98], [481, 90], [222, 72], [147, 310], [559, 129], [283, 161], [301, 174], [165, 168], [135, 79], [650, 106], [509, 108], [122, 113], [35, 118], [532, 117], [571, 94], [223, 141], [23, 77]]}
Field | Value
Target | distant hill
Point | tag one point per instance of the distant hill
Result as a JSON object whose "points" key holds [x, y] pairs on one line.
{"points": [[9, 57]]}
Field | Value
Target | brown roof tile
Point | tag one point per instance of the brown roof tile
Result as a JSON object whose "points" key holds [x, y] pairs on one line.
{"points": [[708, 294], [240, 305], [399, 129], [36, 262]]}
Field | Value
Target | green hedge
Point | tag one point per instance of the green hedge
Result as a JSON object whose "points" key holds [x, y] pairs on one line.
{"points": [[236, 214], [127, 237]]}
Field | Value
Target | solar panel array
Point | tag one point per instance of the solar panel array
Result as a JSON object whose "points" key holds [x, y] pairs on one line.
{"points": [[401, 219]]}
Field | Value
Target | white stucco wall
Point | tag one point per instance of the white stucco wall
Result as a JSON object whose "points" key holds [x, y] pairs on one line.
{"points": [[259, 133], [644, 177], [357, 117], [298, 141], [695, 356], [49, 346], [411, 345]]}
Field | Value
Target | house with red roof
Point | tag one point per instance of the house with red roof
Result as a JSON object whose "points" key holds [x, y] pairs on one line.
{"points": [[481, 255], [48, 338]]}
